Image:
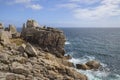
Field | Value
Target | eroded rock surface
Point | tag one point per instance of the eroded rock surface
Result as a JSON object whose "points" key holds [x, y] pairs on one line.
{"points": [[4, 39], [34, 58], [43, 66], [49, 39]]}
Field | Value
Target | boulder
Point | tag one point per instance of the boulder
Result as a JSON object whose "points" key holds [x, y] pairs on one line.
{"points": [[12, 29], [19, 69], [93, 64], [82, 66], [30, 50], [4, 39], [12, 76], [22, 48], [4, 58]]}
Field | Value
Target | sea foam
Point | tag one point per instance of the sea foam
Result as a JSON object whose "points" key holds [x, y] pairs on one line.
{"points": [[103, 74], [66, 43]]}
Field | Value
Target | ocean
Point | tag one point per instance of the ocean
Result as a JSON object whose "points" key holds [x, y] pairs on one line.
{"points": [[101, 44]]}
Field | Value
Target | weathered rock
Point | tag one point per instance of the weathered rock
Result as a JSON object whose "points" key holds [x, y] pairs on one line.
{"points": [[1, 26], [82, 66], [3, 58], [66, 63], [12, 29], [35, 60], [8, 34], [12, 76], [4, 67], [75, 75], [4, 39], [16, 35], [22, 48], [30, 50], [93, 64], [32, 23], [19, 69], [49, 39], [67, 57]]}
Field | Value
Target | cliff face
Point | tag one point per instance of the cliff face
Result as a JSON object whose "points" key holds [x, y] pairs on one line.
{"points": [[49, 39]]}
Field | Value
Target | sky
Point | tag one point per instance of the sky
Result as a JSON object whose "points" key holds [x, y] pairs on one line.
{"points": [[61, 13]]}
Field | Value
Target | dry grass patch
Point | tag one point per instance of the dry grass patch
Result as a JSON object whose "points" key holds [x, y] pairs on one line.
{"points": [[17, 41]]}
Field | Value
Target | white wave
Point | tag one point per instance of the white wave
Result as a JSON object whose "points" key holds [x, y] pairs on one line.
{"points": [[66, 43], [103, 74], [82, 60]]}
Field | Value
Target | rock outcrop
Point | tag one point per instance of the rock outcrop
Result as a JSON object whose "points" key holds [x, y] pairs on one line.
{"points": [[33, 57], [31, 23], [1, 26], [89, 65], [4, 39], [44, 66], [12, 31], [49, 39]]}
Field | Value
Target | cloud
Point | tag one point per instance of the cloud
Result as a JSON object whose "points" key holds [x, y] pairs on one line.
{"points": [[35, 7], [95, 9], [68, 5], [22, 1], [28, 4]]}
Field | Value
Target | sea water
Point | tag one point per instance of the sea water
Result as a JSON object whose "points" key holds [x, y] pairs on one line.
{"points": [[101, 44]]}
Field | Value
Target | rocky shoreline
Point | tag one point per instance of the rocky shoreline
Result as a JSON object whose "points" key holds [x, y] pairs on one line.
{"points": [[37, 53]]}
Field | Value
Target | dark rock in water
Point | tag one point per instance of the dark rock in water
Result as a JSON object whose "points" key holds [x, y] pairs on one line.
{"points": [[47, 38], [89, 65], [93, 64], [82, 66]]}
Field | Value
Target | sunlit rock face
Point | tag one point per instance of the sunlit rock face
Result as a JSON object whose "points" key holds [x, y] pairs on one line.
{"points": [[31, 23], [49, 39]]}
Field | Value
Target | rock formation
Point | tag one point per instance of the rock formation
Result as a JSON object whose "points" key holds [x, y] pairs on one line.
{"points": [[33, 59], [31, 23], [89, 65], [14, 65], [4, 39], [12, 32], [49, 39], [1, 26]]}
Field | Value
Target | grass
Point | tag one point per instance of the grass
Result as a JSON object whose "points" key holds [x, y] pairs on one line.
{"points": [[17, 41]]}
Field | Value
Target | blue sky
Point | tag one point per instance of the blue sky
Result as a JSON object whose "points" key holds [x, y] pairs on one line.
{"points": [[62, 13]]}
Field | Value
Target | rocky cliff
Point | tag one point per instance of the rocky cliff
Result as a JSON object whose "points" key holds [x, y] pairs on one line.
{"points": [[33, 55], [49, 39]]}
